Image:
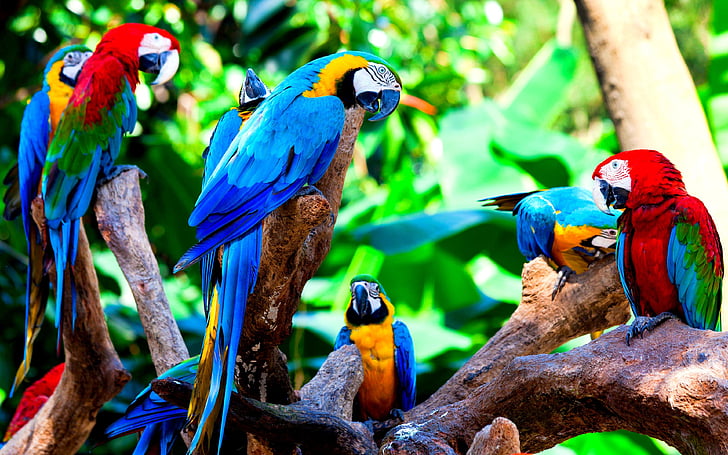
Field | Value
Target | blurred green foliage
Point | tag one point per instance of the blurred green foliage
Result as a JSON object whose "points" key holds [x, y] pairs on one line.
{"points": [[518, 108]]}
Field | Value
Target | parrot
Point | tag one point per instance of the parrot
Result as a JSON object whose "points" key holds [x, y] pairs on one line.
{"points": [[669, 255], [159, 421], [386, 348], [288, 142], [33, 399], [561, 224], [37, 128], [88, 138]]}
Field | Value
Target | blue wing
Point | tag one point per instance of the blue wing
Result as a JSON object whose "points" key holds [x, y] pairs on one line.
{"points": [[343, 338], [690, 269], [404, 360], [275, 154], [160, 420], [535, 226]]}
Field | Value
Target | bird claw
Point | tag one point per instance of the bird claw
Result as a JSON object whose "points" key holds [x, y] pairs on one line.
{"points": [[642, 324], [310, 190], [562, 276], [116, 171], [397, 414]]}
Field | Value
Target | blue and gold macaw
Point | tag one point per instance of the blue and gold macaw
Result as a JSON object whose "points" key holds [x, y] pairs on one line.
{"points": [[101, 109], [561, 224], [37, 128], [287, 143], [387, 351], [159, 421]]}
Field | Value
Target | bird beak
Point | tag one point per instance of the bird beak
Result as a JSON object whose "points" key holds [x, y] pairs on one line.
{"points": [[370, 101], [361, 301], [253, 88], [163, 64], [603, 195]]}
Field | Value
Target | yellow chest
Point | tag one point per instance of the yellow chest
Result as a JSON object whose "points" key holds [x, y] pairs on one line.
{"points": [[59, 94], [378, 393]]}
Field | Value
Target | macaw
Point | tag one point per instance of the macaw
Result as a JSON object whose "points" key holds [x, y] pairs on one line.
{"points": [[37, 128], [287, 143], [561, 224], [669, 255], [386, 347], [159, 421], [88, 138], [33, 399]]}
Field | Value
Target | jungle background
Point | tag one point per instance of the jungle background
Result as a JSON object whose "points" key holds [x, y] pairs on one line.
{"points": [[518, 107]]}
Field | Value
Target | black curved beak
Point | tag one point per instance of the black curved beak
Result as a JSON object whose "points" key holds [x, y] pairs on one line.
{"points": [[606, 195], [370, 101], [163, 64], [361, 301], [253, 88]]}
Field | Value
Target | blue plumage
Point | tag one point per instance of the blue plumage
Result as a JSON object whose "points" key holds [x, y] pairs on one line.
{"points": [[287, 143], [404, 361]]}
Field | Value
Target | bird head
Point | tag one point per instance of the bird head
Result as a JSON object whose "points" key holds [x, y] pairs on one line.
{"points": [[369, 303], [66, 64], [377, 89], [154, 50], [253, 90], [633, 178]]}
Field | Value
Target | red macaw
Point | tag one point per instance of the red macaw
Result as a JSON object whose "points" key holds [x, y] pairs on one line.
{"points": [[669, 255], [88, 139], [38, 127], [33, 399]]}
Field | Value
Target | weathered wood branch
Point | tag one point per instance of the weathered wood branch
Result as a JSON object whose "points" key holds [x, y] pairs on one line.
{"points": [[317, 423], [651, 97], [120, 214], [589, 302], [92, 376], [675, 375], [499, 438]]}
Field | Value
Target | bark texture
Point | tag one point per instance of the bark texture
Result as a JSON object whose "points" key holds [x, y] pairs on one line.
{"points": [[120, 214], [92, 376]]}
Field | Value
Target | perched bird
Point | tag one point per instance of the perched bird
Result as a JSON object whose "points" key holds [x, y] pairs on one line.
{"points": [[561, 224], [386, 347], [159, 421], [37, 128], [33, 399], [669, 255], [287, 143], [88, 138]]}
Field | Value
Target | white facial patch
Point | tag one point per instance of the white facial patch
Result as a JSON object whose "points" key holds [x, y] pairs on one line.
{"points": [[616, 173], [154, 43], [73, 63], [374, 78]]}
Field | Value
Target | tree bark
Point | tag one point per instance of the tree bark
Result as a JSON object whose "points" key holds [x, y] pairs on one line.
{"points": [[651, 97], [120, 214], [92, 376]]}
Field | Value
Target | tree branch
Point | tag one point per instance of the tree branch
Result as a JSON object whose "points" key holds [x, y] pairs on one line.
{"points": [[92, 376], [120, 214], [589, 302]]}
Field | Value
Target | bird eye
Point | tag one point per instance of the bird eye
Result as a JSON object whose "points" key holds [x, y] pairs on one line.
{"points": [[382, 70]]}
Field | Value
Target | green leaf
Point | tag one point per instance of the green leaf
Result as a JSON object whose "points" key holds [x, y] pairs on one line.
{"points": [[538, 94]]}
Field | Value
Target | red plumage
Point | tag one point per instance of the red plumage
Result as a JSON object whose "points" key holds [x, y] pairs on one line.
{"points": [[656, 204], [33, 399], [116, 56]]}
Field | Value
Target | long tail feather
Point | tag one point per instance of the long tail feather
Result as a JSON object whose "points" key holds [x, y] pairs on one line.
{"points": [[64, 241], [240, 261]]}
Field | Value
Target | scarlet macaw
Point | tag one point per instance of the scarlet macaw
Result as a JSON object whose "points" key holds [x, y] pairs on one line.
{"points": [[669, 255], [561, 224], [386, 347], [33, 399], [159, 421], [88, 139], [287, 143], [37, 128]]}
